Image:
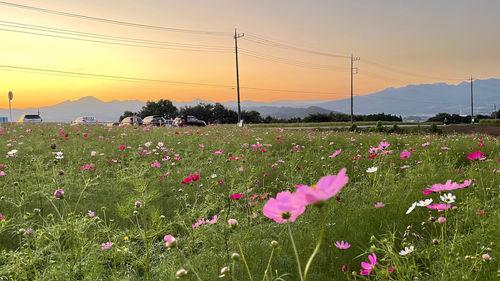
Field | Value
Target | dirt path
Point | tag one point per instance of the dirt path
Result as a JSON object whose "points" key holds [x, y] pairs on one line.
{"points": [[469, 129]]}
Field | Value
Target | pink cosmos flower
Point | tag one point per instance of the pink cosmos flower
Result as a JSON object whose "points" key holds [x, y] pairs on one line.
{"points": [[240, 169], [122, 147], [368, 266], [475, 155], [2, 173], [447, 186], [170, 241], [379, 205], [1, 217], [441, 219], [335, 153], [383, 145], [445, 148], [439, 207], [342, 245], [285, 208], [106, 246], [486, 257], [325, 188], [236, 196], [480, 212], [59, 193], [426, 144], [405, 154], [155, 164], [219, 152], [137, 204]]}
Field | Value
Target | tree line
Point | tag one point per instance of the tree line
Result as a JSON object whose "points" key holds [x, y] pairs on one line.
{"points": [[219, 114]]}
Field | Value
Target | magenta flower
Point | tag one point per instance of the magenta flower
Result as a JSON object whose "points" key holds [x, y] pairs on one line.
{"points": [[90, 213], [480, 212], [446, 187], [1, 217], [236, 196], [325, 188], [170, 241], [379, 205], [59, 194], [441, 219], [335, 153], [342, 245], [368, 266], [106, 246], [138, 204], [475, 155], [285, 208], [405, 154], [439, 207]]}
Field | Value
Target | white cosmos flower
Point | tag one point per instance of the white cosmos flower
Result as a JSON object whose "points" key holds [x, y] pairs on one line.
{"points": [[448, 198], [213, 176], [12, 153], [59, 155], [411, 208], [371, 170], [425, 202], [406, 251]]}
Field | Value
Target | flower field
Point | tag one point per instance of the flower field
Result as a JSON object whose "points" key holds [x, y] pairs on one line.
{"points": [[227, 203]]}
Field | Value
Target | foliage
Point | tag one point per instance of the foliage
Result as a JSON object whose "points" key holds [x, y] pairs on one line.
{"points": [[162, 108], [105, 171]]}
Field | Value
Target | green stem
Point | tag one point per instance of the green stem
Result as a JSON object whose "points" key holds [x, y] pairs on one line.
{"points": [[268, 265], [309, 262], [245, 262], [296, 253]]}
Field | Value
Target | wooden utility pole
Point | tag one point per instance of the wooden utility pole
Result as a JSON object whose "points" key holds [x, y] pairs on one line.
{"points": [[236, 36]]}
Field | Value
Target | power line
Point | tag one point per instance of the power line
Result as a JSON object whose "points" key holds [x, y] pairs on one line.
{"points": [[105, 76], [56, 72], [288, 61], [103, 36], [111, 21], [268, 42], [121, 42]]}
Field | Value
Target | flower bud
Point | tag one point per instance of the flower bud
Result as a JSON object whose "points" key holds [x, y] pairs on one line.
{"points": [[181, 273], [235, 257]]}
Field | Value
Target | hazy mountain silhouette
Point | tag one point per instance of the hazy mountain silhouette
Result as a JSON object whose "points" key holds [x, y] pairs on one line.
{"points": [[417, 100]]}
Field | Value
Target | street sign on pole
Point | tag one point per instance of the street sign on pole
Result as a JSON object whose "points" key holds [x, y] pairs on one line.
{"points": [[11, 96]]}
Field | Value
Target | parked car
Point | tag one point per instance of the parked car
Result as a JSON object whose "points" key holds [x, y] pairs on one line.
{"points": [[189, 121], [29, 118], [86, 120], [133, 120], [169, 123], [154, 121]]}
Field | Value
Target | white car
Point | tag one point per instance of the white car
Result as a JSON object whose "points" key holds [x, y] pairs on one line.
{"points": [[29, 118], [86, 120]]}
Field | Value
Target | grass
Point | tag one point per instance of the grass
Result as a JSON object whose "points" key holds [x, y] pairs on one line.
{"points": [[48, 238]]}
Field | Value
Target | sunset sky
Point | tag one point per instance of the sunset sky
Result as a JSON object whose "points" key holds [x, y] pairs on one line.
{"points": [[399, 42]]}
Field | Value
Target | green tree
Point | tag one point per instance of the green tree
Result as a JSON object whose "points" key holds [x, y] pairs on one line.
{"points": [[163, 108], [126, 114]]}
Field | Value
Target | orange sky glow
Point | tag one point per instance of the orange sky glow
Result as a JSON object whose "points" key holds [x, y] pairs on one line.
{"points": [[399, 44]]}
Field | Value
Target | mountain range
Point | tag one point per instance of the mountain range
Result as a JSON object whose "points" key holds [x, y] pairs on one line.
{"points": [[422, 100]]}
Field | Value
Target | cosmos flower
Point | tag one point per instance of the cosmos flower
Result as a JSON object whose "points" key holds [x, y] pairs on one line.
{"points": [[342, 245], [446, 187], [371, 170], [325, 188], [406, 251], [368, 266], [475, 155], [448, 198], [285, 208], [379, 205], [439, 207], [405, 154]]}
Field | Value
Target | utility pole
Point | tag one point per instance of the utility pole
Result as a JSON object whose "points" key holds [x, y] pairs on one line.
{"points": [[471, 101], [352, 70], [236, 36], [495, 110]]}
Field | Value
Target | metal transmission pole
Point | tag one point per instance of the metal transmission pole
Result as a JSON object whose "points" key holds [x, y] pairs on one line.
{"points": [[353, 59], [471, 101], [236, 36]]}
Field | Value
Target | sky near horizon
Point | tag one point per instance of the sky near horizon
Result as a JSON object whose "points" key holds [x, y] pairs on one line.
{"points": [[282, 55]]}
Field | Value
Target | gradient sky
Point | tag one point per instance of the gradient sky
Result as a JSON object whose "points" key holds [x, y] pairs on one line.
{"points": [[399, 42]]}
